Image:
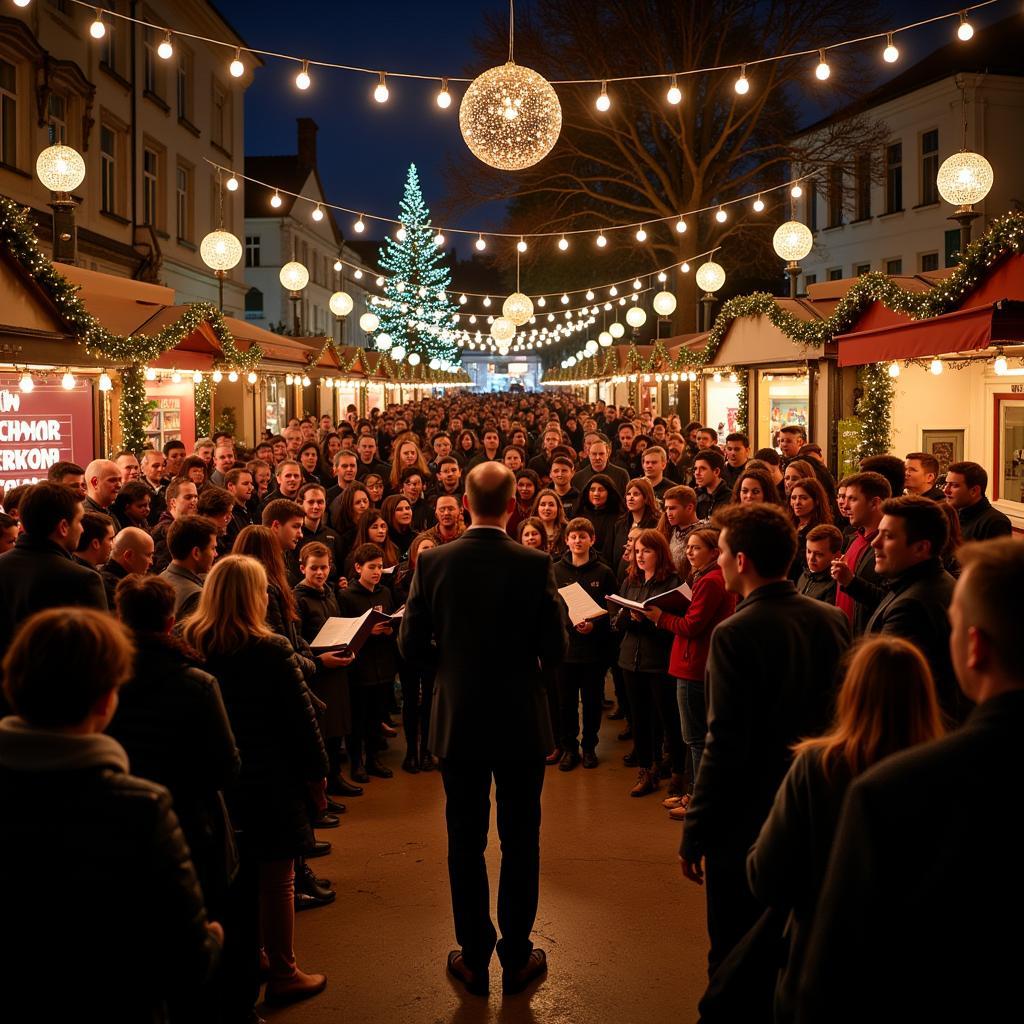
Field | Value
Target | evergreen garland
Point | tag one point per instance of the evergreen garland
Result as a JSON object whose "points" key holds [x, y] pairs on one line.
{"points": [[875, 409], [743, 400], [204, 406], [134, 408]]}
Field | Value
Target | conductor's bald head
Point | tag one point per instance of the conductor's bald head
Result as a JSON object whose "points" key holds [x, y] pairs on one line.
{"points": [[490, 491]]}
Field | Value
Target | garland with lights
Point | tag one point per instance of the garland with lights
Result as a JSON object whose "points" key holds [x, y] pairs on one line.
{"points": [[875, 410], [134, 408], [743, 400], [203, 392]]}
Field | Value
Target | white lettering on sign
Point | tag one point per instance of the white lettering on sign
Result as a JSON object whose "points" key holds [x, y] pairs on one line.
{"points": [[38, 428], [10, 401], [29, 430]]}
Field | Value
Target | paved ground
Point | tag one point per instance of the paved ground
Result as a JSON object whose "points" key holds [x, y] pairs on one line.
{"points": [[624, 933]]}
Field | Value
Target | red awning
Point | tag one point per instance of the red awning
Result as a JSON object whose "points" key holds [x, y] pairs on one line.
{"points": [[963, 330]]}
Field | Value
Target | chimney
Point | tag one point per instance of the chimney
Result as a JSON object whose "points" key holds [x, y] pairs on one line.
{"points": [[307, 143]]}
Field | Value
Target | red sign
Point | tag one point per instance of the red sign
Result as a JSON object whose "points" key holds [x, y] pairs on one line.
{"points": [[41, 427]]}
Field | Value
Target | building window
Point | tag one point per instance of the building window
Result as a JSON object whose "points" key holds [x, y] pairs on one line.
{"points": [[57, 116], [220, 126], [810, 279], [835, 197], [952, 247], [108, 45], [894, 177], [835, 274], [894, 267], [812, 204], [183, 203], [184, 85], [253, 304], [8, 113], [150, 186], [108, 169], [929, 261], [862, 185], [252, 250], [150, 61], [929, 167], [861, 269]]}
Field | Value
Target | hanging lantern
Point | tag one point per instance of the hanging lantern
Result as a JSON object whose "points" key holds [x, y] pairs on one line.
{"points": [[604, 339], [340, 303], [518, 308], [635, 316], [616, 330], [220, 250], [792, 241], [503, 330], [510, 117], [60, 168], [664, 303], [710, 277], [369, 322], [383, 341], [964, 179], [294, 276], [414, 359]]}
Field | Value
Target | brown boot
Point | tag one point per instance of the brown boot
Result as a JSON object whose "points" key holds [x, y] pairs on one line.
{"points": [[291, 990], [646, 782]]}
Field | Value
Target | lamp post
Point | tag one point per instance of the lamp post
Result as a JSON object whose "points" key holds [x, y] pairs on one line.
{"points": [[294, 276], [221, 251], [710, 277], [61, 169], [792, 241], [664, 304]]}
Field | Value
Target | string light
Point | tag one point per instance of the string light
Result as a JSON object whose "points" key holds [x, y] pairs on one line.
{"points": [[681, 226], [890, 54], [439, 239], [276, 200], [252, 378], [165, 51], [359, 227], [175, 377], [935, 367], [796, 191], [613, 291], [603, 102], [216, 376], [822, 71], [381, 93], [965, 30], [197, 378], [105, 383], [563, 243], [233, 377], [521, 244], [641, 234], [894, 369], [674, 95], [150, 373], [401, 234], [444, 97], [480, 244], [590, 295], [758, 205], [742, 85], [98, 29], [565, 299], [601, 241], [721, 216], [26, 383], [685, 268], [236, 67], [302, 79], [318, 213], [231, 184]]}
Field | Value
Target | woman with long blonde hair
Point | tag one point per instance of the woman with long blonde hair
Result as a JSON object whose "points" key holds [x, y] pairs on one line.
{"points": [[282, 753], [886, 704], [405, 453]]}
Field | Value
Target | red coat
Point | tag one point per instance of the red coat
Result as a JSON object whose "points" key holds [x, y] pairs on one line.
{"points": [[692, 632]]}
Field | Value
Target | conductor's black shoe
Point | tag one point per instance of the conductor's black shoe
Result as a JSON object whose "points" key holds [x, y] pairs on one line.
{"points": [[334, 807], [589, 759], [326, 820], [569, 761], [475, 984], [340, 786], [319, 849], [515, 981], [306, 901], [377, 770]]}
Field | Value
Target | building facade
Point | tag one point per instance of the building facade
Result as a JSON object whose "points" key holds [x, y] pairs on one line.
{"points": [[147, 128], [882, 211]]}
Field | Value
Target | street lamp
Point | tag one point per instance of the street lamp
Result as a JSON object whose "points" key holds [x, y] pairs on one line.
{"points": [[664, 305], [294, 276], [792, 241], [221, 251], [61, 169], [710, 277]]}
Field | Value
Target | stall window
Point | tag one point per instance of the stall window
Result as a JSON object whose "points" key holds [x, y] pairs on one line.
{"points": [[1009, 448], [783, 399]]}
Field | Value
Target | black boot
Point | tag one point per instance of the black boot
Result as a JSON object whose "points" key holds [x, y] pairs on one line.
{"points": [[411, 764], [377, 770], [426, 759], [306, 882]]}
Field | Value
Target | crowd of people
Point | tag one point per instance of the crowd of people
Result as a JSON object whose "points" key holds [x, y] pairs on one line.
{"points": [[809, 666]]}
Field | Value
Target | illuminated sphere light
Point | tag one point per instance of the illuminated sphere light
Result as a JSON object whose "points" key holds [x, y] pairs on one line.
{"points": [[822, 71], [601, 240], [305, 380], [60, 168], [233, 376], [591, 347], [710, 276], [742, 86], [518, 308], [414, 359], [521, 245], [439, 239], [721, 216], [1000, 365], [717, 376], [503, 330], [369, 322], [294, 276], [894, 370], [480, 244], [681, 226], [635, 316], [758, 205], [510, 117], [935, 367], [563, 243], [318, 213], [674, 94], [252, 378], [636, 286], [236, 67], [383, 341], [401, 234], [276, 200], [67, 382], [603, 101], [664, 303], [792, 240], [340, 303], [165, 51], [965, 30], [964, 178], [359, 227], [289, 379], [381, 93], [337, 266], [604, 339], [444, 97], [796, 191], [216, 376], [150, 373], [398, 353], [890, 54], [733, 378], [97, 29], [616, 330], [220, 250], [105, 383], [175, 377], [26, 383], [197, 378], [641, 235], [435, 363], [231, 184]]}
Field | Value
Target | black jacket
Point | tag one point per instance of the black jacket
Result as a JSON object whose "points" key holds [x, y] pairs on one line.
{"points": [[771, 679], [279, 741], [708, 502], [889, 942], [598, 581], [818, 585], [171, 721], [39, 574], [377, 660], [982, 521], [615, 542], [865, 588], [111, 573], [614, 472], [71, 811], [644, 646], [488, 703], [329, 684]]}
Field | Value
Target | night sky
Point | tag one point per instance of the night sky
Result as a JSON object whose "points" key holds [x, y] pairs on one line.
{"points": [[365, 147]]}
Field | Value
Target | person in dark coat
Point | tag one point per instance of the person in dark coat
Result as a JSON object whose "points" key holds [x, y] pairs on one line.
{"points": [[283, 757], [712, 491], [821, 547], [39, 571], [600, 464], [885, 704], [757, 709], [131, 554], [127, 882], [965, 491], [581, 676], [601, 503], [501, 730], [889, 943], [859, 583]]}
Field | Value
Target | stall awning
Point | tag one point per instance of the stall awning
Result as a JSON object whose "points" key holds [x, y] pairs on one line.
{"points": [[963, 330]]}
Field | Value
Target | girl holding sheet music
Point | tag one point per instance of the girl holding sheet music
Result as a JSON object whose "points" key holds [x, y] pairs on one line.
{"points": [[643, 658], [710, 603]]}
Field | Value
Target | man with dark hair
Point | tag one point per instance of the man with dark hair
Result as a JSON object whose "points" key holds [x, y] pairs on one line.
{"points": [[223, 461], [316, 529], [97, 540], [218, 505], [965, 491], [911, 535], [737, 454], [707, 439], [192, 543], [501, 732], [859, 583], [174, 456], [366, 453], [346, 465], [182, 501], [239, 484], [70, 474], [39, 571], [712, 491], [791, 438], [128, 464], [561, 483], [920, 472], [289, 479], [679, 459], [448, 479], [887, 940], [131, 553], [771, 677], [599, 463], [892, 468], [411, 486], [284, 520]]}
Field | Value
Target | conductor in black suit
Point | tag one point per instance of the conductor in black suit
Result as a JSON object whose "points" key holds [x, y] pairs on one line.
{"points": [[489, 719]]}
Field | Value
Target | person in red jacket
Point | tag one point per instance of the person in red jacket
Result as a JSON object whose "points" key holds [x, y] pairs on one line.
{"points": [[710, 604]]}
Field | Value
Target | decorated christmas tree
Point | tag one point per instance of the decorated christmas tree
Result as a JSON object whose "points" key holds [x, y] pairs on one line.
{"points": [[417, 318]]}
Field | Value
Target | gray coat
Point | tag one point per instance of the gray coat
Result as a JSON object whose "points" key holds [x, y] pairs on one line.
{"points": [[187, 588]]}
